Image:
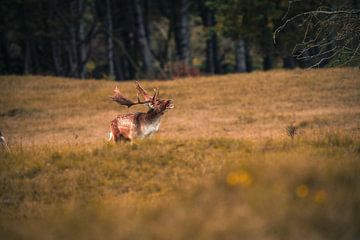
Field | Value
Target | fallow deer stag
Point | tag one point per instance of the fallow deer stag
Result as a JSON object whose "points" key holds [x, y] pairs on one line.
{"points": [[138, 125]]}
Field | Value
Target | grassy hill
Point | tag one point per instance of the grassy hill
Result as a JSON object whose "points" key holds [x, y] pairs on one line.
{"points": [[221, 166]]}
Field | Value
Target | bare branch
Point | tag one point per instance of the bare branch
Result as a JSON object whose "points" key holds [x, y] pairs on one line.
{"points": [[314, 13], [330, 36]]}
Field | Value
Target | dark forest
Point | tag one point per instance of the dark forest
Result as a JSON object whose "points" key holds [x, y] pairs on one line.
{"points": [[160, 39]]}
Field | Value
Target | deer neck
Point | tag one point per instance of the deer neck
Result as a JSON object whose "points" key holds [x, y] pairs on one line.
{"points": [[152, 116], [150, 123]]}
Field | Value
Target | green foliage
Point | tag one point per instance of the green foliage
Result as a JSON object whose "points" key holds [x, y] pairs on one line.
{"points": [[244, 18]]}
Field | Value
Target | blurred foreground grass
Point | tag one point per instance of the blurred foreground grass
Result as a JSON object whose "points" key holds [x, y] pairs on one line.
{"points": [[199, 189]]}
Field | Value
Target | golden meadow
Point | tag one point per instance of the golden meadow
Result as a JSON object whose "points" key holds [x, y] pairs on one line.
{"points": [[221, 167]]}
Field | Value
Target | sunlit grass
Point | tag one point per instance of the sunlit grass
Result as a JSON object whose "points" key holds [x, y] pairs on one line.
{"points": [[221, 167], [252, 106]]}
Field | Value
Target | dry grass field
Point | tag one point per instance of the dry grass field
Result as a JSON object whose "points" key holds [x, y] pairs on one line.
{"points": [[221, 166]]}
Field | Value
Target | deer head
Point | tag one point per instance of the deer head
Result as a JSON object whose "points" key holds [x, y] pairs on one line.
{"points": [[154, 103]]}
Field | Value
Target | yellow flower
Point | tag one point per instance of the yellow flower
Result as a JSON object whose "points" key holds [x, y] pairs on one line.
{"points": [[302, 191], [320, 197], [245, 179], [239, 178], [232, 179]]}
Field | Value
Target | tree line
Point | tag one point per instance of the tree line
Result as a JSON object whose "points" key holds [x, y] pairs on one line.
{"points": [[132, 39]]}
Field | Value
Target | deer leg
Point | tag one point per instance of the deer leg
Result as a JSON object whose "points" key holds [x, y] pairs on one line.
{"points": [[119, 137], [111, 136], [115, 136], [126, 139], [115, 133], [123, 138]]}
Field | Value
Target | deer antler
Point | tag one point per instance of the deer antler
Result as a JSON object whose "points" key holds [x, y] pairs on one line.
{"points": [[154, 98], [142, 92], [147, 97], [122, 100]]}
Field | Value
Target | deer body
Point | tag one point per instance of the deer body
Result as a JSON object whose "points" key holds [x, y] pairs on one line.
{"points": [[138, 125], [135, 125]]}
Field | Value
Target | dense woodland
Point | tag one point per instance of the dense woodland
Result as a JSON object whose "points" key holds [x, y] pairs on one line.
{"points": [[162, 39]]}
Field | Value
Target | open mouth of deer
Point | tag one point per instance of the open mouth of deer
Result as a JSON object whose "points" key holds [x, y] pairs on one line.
{"points": [[170, 104]]}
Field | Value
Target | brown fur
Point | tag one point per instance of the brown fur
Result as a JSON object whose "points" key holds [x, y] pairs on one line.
{"points": [[139, 125]]}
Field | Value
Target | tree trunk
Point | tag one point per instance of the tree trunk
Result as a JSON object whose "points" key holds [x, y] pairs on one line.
{"points": [[56, 56], [240, 56], [81, 38], [129, 62], [72, 51], [54, 40], [267, 45], [72, 62], [289, 62], [211, 51], [5, 58], [248, 56], [146, 17], [110, 43], [165, 54], [210, 65], [119, 58], [119, 70], [140, 35], [27, 60], [182, 31], [268, 62], [28, 50], [35, 59]]}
